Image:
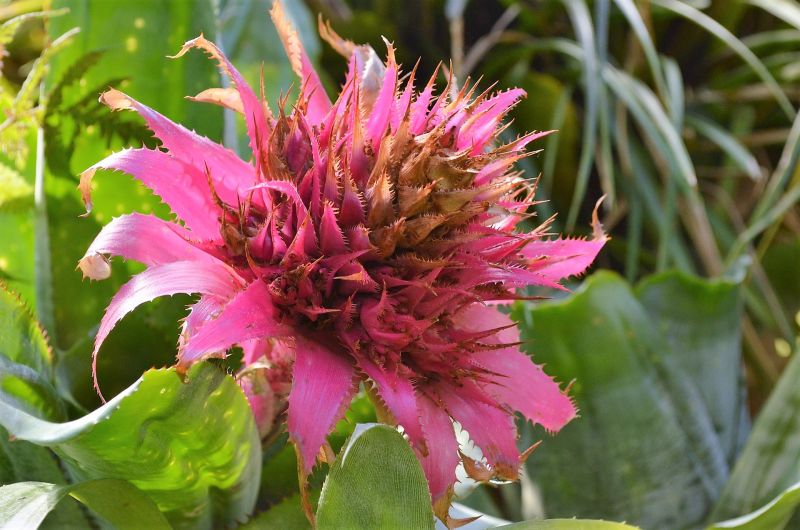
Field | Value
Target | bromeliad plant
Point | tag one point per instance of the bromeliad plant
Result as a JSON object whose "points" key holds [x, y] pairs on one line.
{"points": [[365, 241]]}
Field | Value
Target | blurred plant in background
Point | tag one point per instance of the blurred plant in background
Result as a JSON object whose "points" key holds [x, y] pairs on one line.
{"points": [[682, 112]]}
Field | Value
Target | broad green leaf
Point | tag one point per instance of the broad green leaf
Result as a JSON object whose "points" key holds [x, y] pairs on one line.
{"points": [[568, 524], [192, 447], [768, 465], [21, 461], [375, 482], [774, 515], [279, 470], [647, 447], [700, 321], [26, 504]]}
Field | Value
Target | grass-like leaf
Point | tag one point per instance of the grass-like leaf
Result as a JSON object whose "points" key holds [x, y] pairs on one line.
{"points": [[582, 22], [767, 467], [774, 515], [786, 10], [721, 32]]}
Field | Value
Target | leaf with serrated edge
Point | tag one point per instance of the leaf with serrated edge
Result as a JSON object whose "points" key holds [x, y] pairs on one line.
{"points": [[193, 447]]}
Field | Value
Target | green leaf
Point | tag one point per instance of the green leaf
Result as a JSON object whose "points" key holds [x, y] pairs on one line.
{"points": [[584, 30], [700, 319], [26, 504], [286, 515], [568, 524], [551, 109], [718, 30], [135, 37], [24, 379], [775, 191], [649, 112], [29, 91], [772, 516], [375, 482], [780, 264], [738, 153], [192, 447], [10, 27], [25, 361], [20, 461], [786, 10], [767, 467], [21, 338], [639, 27], [652, 445], [251, 42]]}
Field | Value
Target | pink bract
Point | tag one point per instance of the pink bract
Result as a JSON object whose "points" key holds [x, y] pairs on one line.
{"points": [[365, 241]]}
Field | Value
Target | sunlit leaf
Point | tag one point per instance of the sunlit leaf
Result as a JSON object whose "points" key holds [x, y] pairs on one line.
{"points": [[25, 360], [192, 447], [24, 379], [26, 504]]}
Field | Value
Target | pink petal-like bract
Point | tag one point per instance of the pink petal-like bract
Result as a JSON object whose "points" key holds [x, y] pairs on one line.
{"points": [[367, 239]]}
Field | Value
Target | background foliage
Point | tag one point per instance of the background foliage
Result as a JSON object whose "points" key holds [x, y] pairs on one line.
{"points": [[681, 112]]}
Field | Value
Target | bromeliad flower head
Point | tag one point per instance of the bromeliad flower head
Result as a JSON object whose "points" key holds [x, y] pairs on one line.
{"points": [[365, 241]]}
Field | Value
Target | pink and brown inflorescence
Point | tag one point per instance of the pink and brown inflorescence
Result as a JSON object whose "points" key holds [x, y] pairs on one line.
{"points": [[366, 240]]}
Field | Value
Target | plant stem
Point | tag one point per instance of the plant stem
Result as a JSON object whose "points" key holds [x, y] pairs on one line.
{"points": [[41, 257]]}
